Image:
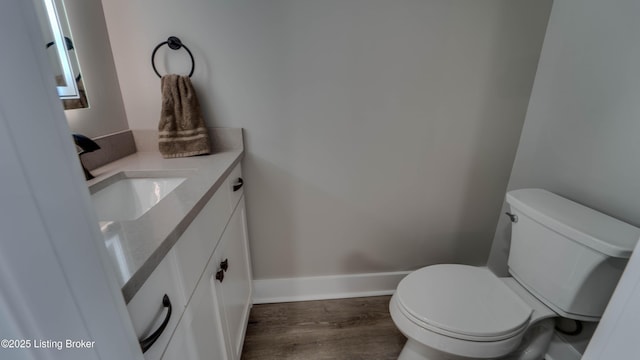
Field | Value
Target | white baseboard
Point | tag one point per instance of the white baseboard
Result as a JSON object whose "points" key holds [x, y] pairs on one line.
{"points": [[325, 287]]}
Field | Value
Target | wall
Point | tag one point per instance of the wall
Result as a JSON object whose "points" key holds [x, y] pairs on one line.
{"points": [[379, 134], [580, 136], [106, 113]]}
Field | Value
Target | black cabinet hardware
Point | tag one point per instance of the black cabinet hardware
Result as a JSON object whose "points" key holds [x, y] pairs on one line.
{"points": [[238, 184], [220, 275], [145, 344]]}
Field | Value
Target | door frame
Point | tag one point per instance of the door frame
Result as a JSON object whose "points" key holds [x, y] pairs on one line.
{"points": [[56, 280]]}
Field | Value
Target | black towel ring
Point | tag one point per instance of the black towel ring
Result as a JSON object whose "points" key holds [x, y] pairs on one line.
{"points": [[174, 43]]}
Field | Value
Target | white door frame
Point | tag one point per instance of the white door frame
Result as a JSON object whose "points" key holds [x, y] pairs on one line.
{"points": [[56, 282], [616, 336]]}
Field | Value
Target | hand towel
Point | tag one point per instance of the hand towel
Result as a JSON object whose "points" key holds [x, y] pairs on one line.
{"points": [[182, 131]]}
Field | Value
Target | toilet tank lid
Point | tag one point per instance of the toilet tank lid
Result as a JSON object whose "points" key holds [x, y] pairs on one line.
{"points": [[587, 226]]}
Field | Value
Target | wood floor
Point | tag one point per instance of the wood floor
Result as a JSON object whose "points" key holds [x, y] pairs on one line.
{"points": [[348, 329]]}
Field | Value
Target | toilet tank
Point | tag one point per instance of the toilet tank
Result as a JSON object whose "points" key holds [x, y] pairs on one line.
{"points": [[567, 255]]}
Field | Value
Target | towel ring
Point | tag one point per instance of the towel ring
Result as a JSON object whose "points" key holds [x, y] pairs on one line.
{"points": [[174, 44]]}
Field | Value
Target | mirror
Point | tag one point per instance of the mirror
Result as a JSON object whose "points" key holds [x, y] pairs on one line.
{"points": [[61, 53]]}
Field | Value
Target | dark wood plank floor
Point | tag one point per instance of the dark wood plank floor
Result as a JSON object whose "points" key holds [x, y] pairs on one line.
{"points": [[353, 329]]}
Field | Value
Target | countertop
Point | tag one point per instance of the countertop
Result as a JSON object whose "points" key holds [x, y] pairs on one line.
{"points": [[137, 247]]}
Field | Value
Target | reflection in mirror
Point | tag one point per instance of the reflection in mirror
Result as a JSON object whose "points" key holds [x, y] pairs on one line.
{"points": [[61, 51]]}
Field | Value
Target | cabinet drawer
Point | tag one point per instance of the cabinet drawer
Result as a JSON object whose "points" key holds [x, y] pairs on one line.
{"points": [[235, 184], [197, 243], [147, 311]]}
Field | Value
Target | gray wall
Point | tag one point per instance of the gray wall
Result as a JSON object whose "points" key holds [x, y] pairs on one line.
{"points": [[581, 134], [106, 113], [380, 134]]}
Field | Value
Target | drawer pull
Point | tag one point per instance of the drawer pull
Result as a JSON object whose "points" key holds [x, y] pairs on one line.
{"points": [[220, 275], [238, 184], [224, 265], [146, 344]]}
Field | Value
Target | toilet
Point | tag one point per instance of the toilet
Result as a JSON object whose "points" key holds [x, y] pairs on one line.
{"points": [[565, 261]]}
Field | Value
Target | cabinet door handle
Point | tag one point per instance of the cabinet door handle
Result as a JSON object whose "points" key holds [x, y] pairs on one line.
{"points": [[224, 265], [238, 184], [145, 344], [220, 275]]}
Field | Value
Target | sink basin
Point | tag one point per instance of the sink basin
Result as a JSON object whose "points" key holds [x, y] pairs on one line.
{"points": [[129, 195]]}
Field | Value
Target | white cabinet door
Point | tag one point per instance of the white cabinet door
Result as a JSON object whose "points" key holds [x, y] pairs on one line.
{"points": [[233, 293], [199, 335]]}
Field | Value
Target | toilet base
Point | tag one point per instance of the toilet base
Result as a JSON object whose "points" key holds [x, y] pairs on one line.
{"points": [[535, 341], [533, 347], [413, 350]]}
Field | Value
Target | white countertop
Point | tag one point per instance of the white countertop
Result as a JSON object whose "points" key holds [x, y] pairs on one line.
{"points": [[137, 247]]}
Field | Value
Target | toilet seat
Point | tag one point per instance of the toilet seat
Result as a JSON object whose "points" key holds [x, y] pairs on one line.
{"points": [[462, 302]]}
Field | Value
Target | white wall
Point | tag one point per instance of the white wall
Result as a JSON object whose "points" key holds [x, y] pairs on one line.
{"points": [[580, 136], [106, 113], [380, 134]]}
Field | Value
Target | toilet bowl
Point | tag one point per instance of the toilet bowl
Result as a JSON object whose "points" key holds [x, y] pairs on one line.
{"points": [[451, 311], [565, 260]]}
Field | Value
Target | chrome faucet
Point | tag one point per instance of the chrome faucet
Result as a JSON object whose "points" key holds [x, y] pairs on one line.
{"points": [[86, 145]]}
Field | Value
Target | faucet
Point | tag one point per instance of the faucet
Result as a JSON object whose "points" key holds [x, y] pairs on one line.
{"points": [[86, 145]]}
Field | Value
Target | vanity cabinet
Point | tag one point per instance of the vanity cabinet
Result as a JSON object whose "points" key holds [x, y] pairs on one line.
{"points": [[208, 272]]}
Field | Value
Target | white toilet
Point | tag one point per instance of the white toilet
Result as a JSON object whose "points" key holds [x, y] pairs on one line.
{"points": [[565, 260]]}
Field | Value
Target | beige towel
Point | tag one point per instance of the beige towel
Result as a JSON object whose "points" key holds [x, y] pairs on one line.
{"points": [[182, 131]]}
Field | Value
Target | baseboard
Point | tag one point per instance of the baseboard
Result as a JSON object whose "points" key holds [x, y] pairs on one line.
{"points": [[325, 287]]}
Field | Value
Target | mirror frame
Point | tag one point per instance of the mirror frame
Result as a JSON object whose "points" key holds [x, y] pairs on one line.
{"points": [[70, 90]]}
